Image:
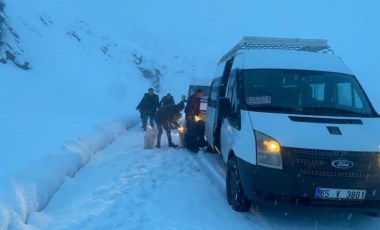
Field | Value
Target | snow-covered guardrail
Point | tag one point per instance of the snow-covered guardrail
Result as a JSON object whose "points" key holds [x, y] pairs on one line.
{"points": [[30, 189]]}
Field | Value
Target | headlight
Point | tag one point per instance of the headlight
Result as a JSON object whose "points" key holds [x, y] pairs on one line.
{"points": [[268, 151]]}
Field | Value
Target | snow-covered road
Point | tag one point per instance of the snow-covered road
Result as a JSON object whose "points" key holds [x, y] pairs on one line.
{"points": [[127, 187]]}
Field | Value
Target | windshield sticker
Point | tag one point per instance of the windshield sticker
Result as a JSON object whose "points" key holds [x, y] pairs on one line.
{"points": [[261, 100]]}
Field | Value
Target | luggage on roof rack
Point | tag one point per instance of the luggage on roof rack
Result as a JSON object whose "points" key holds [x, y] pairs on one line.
{"points": [[248, 42]]}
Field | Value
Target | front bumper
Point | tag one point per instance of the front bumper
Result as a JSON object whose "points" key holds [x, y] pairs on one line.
{"points": [[305, 170]]}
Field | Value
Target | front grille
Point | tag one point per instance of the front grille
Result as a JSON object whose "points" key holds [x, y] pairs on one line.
{"points": [[359, 164], [346, 174], [312, 162], [303, 161], [333, 153]]}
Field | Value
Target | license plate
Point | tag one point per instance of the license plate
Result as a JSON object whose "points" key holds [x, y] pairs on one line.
{"points": [[340, 194]]}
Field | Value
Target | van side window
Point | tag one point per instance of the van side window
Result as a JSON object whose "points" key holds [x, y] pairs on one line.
{"points": [[212, 101], [231, 85], [234, 118]]}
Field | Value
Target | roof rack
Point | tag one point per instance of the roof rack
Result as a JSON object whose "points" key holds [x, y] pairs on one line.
{"points": [[310, 45]]}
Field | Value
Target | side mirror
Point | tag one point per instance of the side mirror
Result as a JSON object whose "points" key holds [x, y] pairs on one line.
{"points": [[224, 107]]}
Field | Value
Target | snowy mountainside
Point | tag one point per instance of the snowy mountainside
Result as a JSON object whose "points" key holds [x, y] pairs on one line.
{"points": [[10, 49], [83, 72]]}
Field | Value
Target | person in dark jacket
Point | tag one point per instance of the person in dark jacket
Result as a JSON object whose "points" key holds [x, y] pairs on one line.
{"points": [[193, 107], [148, 107], [195, 137], [167, 115], [167, 100]]}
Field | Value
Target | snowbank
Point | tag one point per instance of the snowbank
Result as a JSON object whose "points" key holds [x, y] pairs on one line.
{"points": [[31, 188]]}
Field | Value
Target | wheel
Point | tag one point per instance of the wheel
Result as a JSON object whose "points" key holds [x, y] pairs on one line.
{"points": [[235, 194]]}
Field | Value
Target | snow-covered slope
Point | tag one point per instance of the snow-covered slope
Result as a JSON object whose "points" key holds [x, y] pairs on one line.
{"points": [[83, 72], [89, 63]]}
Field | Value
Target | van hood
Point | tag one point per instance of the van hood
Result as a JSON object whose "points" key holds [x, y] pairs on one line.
{"points": [[320, 132]]}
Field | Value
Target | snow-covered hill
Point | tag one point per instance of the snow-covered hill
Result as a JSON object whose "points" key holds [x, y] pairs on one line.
{"points": [[82, 72], [75, 71]]}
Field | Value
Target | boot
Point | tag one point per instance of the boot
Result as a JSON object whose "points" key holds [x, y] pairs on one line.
{"points": [[171, 142], [172, 145]]}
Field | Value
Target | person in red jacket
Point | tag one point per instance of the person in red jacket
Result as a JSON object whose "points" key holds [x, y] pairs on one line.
{"points": [[193, 107]]}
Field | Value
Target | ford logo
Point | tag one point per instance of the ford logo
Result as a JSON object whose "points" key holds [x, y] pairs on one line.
{"points": [[342, 164]]}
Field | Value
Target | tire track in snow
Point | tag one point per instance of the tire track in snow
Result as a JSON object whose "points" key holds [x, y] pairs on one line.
{"points": [[150, 173], [145, 189], [127, 187]]}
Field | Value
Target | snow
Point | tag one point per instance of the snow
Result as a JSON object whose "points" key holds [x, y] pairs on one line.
{"points": [[139, 189], [288, 59], [71, 155], [127, 187]]}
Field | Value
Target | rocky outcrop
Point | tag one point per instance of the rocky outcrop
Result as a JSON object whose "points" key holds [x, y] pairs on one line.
{"points": [[1, 21], [9, 53], [148, 71]]}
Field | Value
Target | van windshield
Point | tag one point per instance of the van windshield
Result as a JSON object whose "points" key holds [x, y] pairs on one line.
{"points": [[305, 92]]}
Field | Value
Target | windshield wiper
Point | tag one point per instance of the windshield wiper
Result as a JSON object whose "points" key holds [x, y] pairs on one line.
{"points": [[271, 108], [332, 111]]}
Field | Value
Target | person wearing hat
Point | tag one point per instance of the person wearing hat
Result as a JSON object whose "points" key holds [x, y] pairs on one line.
{"points": [[166, 116], [193, 107], [148, 107]]}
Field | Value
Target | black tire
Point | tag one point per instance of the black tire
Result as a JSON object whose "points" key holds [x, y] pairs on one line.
{"points": [[235, 194]]}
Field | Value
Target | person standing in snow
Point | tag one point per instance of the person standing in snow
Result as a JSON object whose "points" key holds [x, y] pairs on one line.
{"points": [[167, 115], [193, 107], [148, 107], [195, 137], [167, 100]]}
